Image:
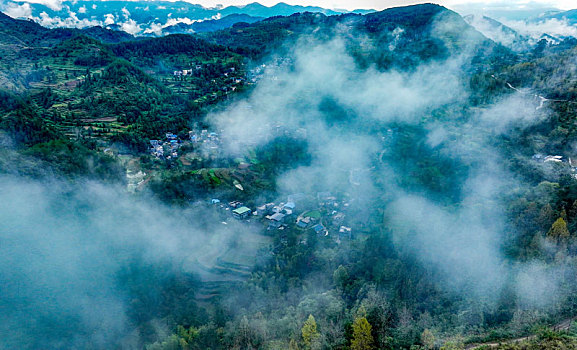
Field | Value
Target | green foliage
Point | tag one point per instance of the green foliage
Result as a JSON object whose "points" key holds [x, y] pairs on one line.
{"points": [[82, 83], [26, 126], [559, 230], [168, 45], [74, 160], [362, 337], [310, 333], [84, 51], [428, 339]]}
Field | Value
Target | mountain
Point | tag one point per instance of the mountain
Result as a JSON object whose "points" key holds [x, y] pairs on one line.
{"points": [[211, 25], [87, 60], [146, 17], [499, 32], [570, 16], [106, 35], [401, 36], [27, 42], [280, 9], [512, 12], [420, 181]]}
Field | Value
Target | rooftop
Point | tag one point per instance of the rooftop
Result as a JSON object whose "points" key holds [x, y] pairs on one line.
{"points": [[241, 210]]}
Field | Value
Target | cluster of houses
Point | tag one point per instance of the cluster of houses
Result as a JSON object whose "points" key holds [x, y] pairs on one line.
{"points": [[229, 76], [546, 159], [185, 72], [557, 159], [271, 71], [327, 220], [167, 149], [208, 141], [203, 136]]}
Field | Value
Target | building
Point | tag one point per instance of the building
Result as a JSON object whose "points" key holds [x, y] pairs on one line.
{"points": [[345, 232], [296, 198], [290, 206], [556, 159], [276, 220], [320, 230], [241, 213], [265, 209], [235, 204], [304, 222]]}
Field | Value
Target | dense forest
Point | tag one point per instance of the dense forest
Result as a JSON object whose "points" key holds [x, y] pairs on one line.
{"points": [[393, 180]]}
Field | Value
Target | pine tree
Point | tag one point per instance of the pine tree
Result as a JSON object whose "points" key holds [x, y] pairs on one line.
{"points": [[558, 230], [362, 337], [309, 332]]}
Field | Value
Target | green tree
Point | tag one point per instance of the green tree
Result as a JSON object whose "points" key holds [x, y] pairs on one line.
{"points": [[309, 332], [428, 339], [362, 337], [293, 345], [558, 230]]}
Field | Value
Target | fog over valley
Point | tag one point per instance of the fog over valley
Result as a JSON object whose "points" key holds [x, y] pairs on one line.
{"points": [[176, 176]]}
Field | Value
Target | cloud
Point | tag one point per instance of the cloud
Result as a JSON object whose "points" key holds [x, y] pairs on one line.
{"points": [[65, 254], [55, 5], [157, 28], [349, 119], [18, 11], [554, 27], [72, 21], [497, 32], [126, 13], [154, 28], [130, 26], [108, 19]]}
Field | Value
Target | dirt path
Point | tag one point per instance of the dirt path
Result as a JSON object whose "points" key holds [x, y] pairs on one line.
{"points": [[564, 325]]}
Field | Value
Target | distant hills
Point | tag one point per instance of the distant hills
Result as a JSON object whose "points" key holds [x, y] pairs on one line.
{"points": [[127, 89], [416, 38], [152, 17], [570, 16], [499, 32], [211, 25]]}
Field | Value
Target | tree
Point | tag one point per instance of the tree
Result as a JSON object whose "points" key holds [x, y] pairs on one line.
{"points": [[244, 337], [362, 337], [546, 216], [558, 230], [309, 332], [341, 277], [428, 339], [293, 345]]}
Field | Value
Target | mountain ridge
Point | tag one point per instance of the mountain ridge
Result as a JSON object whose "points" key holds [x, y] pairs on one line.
{"points": [[140, 17]]}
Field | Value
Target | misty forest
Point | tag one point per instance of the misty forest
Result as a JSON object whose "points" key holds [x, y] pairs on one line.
{"points": [[285, 178]]}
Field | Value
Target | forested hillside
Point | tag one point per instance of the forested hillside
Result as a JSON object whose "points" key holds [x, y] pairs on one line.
{"points": [[391, 180]]}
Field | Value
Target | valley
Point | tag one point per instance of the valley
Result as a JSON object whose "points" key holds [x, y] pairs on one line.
{"points": [[307, 179]]}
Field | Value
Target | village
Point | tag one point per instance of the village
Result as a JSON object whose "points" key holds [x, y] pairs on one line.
{"points": [[557, 159], [322, 213], [228, 80], [207, 142]]}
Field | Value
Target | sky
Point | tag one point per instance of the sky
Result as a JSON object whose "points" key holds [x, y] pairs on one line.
{"points": [[380, 4]]}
